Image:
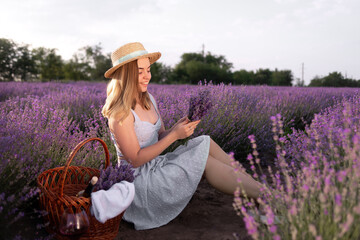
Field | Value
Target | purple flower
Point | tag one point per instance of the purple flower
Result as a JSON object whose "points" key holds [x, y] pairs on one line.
{"points": [[341, 175], [273, 228], [276, 237], [110, 176], [251, 225], [199, 105], [338, 199]]}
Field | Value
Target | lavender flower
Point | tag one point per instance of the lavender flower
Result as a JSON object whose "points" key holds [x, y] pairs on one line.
{"points": [[315, 198], [199, 105], [110, 176]]}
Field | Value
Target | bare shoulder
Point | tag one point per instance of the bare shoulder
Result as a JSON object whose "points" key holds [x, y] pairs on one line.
{"points": [[125, 136], [114, 123]]}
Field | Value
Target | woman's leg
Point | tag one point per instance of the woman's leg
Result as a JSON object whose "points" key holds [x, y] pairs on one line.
{"points": [[216, 152], [222, 177]]}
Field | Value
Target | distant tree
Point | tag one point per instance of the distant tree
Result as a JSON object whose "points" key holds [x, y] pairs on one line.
{"points": [[316, 82], [262, 76], [195, 67], [74, 69], [79, 66], [281, 78], [352, 82], [98, 62], [334, 79], [24, 66], [49, 65], [199, 71], [299, 82], [102, 64], [160, 73], [7, 57], [219, 61], [16, 61], [243, 77]]}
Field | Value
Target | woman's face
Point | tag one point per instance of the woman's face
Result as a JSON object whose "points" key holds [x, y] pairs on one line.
{"points": [[144, 73]]}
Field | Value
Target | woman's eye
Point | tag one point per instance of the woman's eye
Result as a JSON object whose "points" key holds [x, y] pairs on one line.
{"points": [[140, 73]]}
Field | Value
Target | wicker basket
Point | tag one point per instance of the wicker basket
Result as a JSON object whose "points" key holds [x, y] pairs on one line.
{"points": [[58, 189]]}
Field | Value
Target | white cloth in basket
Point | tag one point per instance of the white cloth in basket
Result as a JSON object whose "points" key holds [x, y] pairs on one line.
{"points": [[110, 203]]}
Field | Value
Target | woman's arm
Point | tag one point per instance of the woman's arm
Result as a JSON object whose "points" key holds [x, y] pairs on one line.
{"points": [[127, 141], [162, 131]]}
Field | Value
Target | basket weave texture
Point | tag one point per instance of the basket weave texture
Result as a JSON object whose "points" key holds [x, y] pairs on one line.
{"points": [[59, 187]]}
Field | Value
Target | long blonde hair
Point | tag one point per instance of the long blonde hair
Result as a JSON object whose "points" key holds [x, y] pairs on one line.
{"points": [[122, 91]]}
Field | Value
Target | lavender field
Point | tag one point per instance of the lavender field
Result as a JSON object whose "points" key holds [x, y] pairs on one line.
{"points": [[42, 122]]}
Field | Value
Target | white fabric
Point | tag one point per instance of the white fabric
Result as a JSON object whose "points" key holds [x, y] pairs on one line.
{"points": [[110, 203]]}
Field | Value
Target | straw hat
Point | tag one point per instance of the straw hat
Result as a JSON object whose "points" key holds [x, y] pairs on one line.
{"points": [[127, 53]]}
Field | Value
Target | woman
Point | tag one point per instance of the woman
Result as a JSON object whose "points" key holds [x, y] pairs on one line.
{"points": [[165, 183]]}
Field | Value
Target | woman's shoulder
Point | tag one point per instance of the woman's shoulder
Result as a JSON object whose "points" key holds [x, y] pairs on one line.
{"points": [[114, 121]]}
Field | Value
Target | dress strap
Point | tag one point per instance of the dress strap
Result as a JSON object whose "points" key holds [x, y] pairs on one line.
{"points": [[153, 102], [135, 115]]}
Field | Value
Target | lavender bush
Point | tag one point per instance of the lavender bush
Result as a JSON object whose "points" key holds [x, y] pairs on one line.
{"points": [[239, 111], [321, 198], [37, 133], [42, 122]]}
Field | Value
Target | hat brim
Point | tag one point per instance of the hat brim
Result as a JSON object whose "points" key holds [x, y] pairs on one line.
{"points": [[153, 57]]}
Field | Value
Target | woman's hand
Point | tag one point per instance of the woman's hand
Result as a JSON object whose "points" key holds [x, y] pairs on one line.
{"points": [[180, 121], [185, 128]]}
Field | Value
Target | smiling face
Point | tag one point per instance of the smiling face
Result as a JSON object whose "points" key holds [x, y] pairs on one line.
{"points": [[144, 73]]}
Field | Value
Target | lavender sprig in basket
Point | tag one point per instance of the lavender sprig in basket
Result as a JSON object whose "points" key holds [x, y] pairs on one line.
{"points": [[111, 176]]}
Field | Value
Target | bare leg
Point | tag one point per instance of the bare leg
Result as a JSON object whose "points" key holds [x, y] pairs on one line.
{"points": [[222, 177], [219, 154]]}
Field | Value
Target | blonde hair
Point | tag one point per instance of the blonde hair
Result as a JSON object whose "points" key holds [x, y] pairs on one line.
{"points": [[122, 91]]}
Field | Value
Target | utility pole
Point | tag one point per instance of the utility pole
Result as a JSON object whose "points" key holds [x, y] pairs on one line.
{"points": [[203, 52], [302, 73]]}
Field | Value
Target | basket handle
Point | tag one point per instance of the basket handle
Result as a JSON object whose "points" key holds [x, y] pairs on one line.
{"points": [[72, 155]]}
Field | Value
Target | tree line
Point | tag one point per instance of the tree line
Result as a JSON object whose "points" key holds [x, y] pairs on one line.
{"points": [[20, 63], [334, 79]]}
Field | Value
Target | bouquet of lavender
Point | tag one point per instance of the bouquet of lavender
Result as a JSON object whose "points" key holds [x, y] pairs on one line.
{"points": [[199, 105], [110, 176]]}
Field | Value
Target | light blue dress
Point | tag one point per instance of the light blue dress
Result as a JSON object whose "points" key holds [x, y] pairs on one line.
{"points": [[165, 184]]}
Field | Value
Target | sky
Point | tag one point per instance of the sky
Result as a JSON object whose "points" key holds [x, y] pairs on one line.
{"points": [[321, 35]]}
